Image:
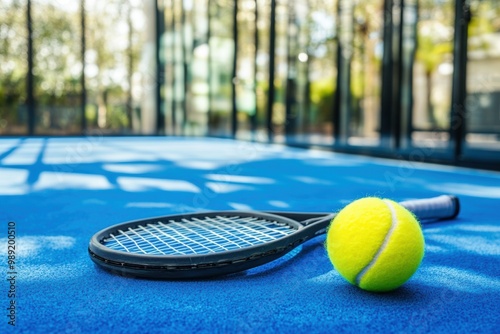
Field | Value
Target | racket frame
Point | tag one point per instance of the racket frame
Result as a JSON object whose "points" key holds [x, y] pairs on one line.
{"points": [[204, 265]]}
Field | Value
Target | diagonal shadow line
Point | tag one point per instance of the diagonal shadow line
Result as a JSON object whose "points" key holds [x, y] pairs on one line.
{"points": [[34, 173]]}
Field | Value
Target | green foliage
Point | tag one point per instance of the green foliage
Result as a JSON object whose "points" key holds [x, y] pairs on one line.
{"points": [[91, 113], [431, 52], [435, 33], [486, 19], [322, 93], [117, 117], [484, 23]]}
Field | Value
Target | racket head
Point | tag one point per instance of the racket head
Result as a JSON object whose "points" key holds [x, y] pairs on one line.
{"points": [[267, 236]]}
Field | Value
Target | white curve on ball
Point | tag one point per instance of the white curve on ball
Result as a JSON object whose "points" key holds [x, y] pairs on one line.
{"points": [[394, 223]]}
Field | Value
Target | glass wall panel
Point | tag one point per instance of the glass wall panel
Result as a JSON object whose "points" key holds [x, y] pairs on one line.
{"points": [[168, 59], [313, 71], [279, 119], [57, 67], [408, 49], [262, 67], [483, 76], [148, 78], [114, 54], [245, 72], [366, 73], [197, 99], [176, 45], [361, 49], [184, 57], [221, 53], [432, 71], [13, 68]]}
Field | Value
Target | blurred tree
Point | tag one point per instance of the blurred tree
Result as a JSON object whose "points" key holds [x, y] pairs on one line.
{"points": [[431, 53], [12, 65]]}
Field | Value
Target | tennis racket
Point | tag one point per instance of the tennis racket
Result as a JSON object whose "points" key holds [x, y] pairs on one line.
{"points": [[200, 245]]}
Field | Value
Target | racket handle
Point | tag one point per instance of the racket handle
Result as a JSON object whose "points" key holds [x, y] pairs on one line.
{"points": [[441, 207]]}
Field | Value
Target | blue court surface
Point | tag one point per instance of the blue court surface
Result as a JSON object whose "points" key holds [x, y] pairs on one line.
{"points": [[60, 191]]}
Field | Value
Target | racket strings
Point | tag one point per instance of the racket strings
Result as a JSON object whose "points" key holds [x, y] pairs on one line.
{"points": [[197, 235]]}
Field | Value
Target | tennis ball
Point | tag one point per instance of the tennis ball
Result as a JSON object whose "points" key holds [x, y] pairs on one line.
{"points": [[375, 244]]}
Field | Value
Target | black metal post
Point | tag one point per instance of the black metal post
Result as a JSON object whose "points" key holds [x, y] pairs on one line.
{"points": [[409, 34], [336, 95], [174, 31], [160, 72], [343, 96], [386, 112], [397, 71], [234, 81], [253, 118], [82, 77], [30, 99], [271, 90], [458, 114]]}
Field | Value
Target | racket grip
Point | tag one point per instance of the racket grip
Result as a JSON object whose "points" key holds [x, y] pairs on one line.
{"points": [[441, 207]]}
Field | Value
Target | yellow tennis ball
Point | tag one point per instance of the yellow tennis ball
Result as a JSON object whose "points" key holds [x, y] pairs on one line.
{"points": [[375, 244]]}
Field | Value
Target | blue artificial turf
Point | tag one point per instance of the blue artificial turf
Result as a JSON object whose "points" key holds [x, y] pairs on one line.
{"points": [[60, 191]]}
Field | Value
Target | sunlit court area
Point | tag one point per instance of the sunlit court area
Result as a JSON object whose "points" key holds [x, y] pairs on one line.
{"points": [[249, 166]]}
